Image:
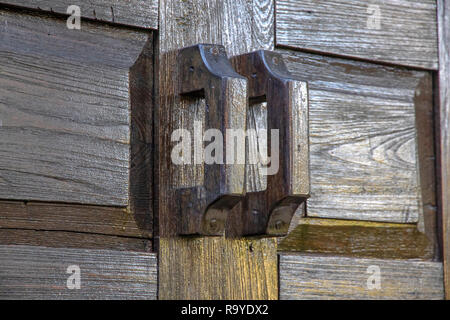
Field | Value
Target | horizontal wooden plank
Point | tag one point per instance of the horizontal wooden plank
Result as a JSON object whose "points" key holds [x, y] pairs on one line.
{"points": [[70, 217], [136, 13], [324, 277], [77, 240], [358, 239], [363, 138], [65, 110], [397, 32], [28, 272]]}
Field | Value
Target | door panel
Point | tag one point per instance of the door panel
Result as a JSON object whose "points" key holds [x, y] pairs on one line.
{"points": [[77, 146], [363, 138], [76, 116], [327, 277], [371, 149], [65, 111], [397, 32], [30, 272], [76, 158]]}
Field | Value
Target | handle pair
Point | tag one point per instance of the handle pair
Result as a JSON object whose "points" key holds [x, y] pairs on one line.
{"points": [[204, 70]]}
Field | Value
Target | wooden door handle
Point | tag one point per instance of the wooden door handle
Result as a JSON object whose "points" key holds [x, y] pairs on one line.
{"points": [[204, 70], [269, 212]]}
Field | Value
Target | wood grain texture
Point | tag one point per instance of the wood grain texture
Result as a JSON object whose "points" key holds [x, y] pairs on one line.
{"points": [[76, 240], [142, 101], [358, 239], [217, 268], [136, 13], [404, 34], [363, 138], [28, 272], [65, 109], [320, 277], [75, 218], [444, 135], [212, 267], [425, 124]]}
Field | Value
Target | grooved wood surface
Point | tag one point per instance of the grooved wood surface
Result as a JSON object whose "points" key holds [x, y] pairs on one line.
{"points": [[135, 13], [208, 268], [216, 268], [327, 277], [363, 138], [65, 217], [29, 272], [65, 110], [397, 32], [77, 240], [360, 239], [444, 136]]}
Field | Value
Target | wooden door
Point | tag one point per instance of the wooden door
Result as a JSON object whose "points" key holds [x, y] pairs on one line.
{"points": [[372, 154], [84, 169], [76, 167]]}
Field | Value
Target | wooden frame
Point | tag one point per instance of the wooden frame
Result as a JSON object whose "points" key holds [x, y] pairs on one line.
{"points": [[443, 13]]}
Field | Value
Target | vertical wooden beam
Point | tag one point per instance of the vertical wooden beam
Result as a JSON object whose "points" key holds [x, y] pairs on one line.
{"points": [[207, 267], [444, 121], [423, 102]]}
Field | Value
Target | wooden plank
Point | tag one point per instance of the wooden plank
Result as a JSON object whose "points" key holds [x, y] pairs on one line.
{"points": [[217, 268], [358, 239], [136, 13], [444, 135], [28, 272], [76, 218], [212, 266], [396, 32], [77, 240], [65, 110], [363, 138], [325, 277]]}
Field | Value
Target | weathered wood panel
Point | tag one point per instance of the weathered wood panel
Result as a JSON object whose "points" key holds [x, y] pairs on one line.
{"points": [[135, 13], [77, 240], [77, 218], [326, 277], [28, 272], [397, 32], [217, 268], [208, 267], [444, 136], [65, 110], [363, 137], [358, 239]]}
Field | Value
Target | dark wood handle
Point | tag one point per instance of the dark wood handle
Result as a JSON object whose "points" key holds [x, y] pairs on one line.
{"points": [[269, 212], [204, 70]]}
